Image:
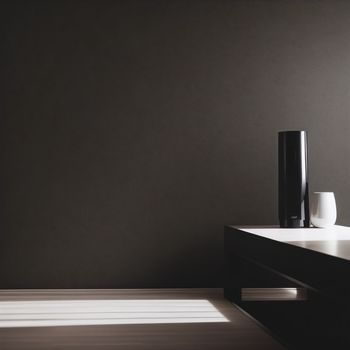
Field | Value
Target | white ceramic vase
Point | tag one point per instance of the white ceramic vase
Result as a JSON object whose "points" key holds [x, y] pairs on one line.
{"points": [[323, 210]]}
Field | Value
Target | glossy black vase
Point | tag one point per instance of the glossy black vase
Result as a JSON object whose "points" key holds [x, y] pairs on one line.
{"points": [[293, 187]]}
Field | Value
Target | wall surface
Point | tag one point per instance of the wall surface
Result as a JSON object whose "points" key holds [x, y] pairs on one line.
{"points": [[132, 131]]}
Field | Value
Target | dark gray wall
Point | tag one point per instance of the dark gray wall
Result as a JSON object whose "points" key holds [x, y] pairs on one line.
{"points": [[131, 132]]}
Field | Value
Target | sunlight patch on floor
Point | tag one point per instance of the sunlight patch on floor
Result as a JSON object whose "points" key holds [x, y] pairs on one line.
{"points": [[49, 313]]}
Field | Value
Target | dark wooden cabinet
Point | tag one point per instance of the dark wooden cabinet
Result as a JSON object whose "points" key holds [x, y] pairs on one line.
{"points": [[296, 282]]}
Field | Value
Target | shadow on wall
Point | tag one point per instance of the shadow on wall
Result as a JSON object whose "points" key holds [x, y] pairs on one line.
{"points": [[133, 131]]}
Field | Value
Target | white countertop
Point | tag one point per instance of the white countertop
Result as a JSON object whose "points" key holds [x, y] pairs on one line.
{"points": [[338, 233], [333, 241]]}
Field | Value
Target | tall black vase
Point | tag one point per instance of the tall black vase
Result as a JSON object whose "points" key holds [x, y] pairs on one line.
{"points": [[293, 187]]}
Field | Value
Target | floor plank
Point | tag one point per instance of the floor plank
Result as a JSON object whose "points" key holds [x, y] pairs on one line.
{"points": [[239, 332]]}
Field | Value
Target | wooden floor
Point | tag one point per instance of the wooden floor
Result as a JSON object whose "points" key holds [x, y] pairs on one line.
{"points": [[223, 326]]}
